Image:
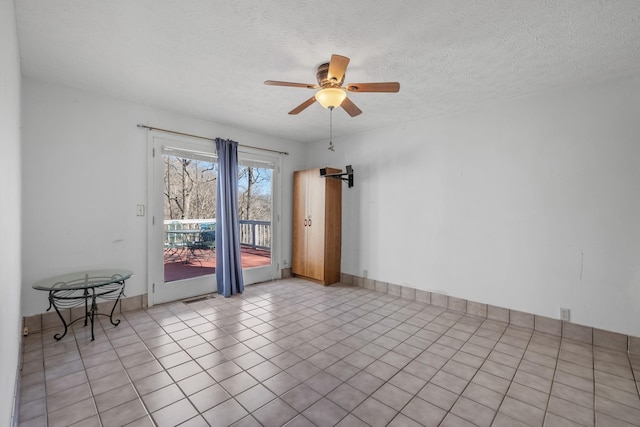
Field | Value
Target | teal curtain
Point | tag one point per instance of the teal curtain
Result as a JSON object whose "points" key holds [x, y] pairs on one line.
{"points": [[228, 263]]}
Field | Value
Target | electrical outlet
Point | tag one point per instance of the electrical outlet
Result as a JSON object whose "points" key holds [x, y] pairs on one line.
{"points": [[140, 210], [365, 273], [565, 314]]}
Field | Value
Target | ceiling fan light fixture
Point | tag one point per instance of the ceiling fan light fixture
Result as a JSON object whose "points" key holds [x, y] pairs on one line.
{"points": [[331, 97]]}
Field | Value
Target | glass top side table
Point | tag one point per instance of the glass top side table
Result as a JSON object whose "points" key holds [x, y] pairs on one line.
{"points": [[70, 290]]}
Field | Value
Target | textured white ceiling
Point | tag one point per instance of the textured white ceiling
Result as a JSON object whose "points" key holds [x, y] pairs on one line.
{"points": [[209, 58]]}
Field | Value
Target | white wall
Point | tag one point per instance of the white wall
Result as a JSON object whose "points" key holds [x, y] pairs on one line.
{"points": [[84, 173], [531, 205], [10, 209]]}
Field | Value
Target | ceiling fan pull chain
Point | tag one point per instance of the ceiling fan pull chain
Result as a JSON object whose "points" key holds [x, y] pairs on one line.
{"points": [[331, 147]]}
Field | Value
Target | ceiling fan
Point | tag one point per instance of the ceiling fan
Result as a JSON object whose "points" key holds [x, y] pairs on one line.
{"points": [[332, 94]]}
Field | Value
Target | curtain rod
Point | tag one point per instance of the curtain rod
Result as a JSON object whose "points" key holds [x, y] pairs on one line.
{"points": [[209, 139]]}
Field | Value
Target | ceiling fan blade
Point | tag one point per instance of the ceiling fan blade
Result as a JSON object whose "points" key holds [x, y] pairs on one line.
{"points": [[304, 105], [289, 84], [337, 68], [374, 87], [350, 108]]}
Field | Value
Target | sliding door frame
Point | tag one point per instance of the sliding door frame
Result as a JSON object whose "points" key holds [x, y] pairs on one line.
{"points": [[157, 290]]}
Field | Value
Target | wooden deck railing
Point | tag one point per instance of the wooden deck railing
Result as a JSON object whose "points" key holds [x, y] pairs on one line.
{"points": [[253, 234]]}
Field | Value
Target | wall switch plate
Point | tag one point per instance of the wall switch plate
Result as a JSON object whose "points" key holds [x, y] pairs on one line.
{"points": [[565, 314], [140, 210]]}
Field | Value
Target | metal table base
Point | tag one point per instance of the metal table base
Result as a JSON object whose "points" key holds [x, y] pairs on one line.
{"points": [[69, 298], [75, 289]]}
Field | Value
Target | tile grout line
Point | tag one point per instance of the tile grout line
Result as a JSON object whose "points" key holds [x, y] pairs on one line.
{"points": [[388, 350], [507, 325], [249, 413], [44, 380], [319, 350], [464, 314], [593, 370], [181, 349], [439, 369], [478, 370], [553, 379], [93, 397], [443, 310], [303, 359], [354, 350], [127, 373]]}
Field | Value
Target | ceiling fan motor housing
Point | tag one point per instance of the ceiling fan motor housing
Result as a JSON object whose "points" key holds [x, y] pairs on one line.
{"points": [[323, 77]]}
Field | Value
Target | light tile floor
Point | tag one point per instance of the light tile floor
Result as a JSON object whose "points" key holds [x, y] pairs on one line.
{"points": [[298, 354]]}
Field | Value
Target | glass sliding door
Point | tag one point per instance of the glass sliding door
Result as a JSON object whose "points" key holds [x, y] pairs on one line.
{"points": [[182, 217], [189, 218], [182, 227], [256, 180]]}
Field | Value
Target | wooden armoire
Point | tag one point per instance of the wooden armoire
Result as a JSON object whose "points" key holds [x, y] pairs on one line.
{"points": [[317, 230]]}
